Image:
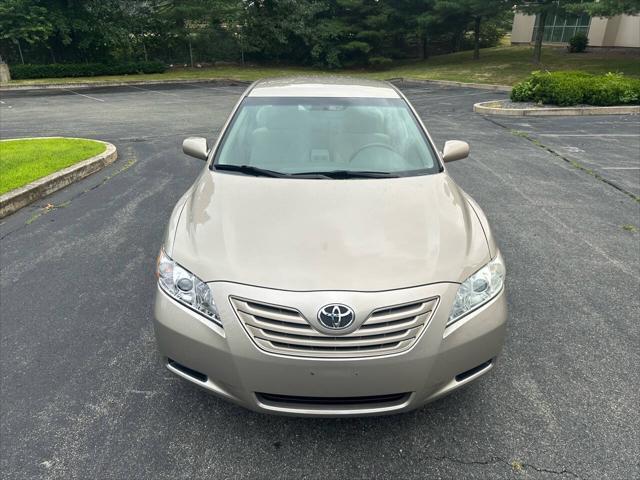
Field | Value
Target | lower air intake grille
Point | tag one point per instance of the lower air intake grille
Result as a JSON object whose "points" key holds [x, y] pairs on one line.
{"points": [[321, 401], [285, 330]]}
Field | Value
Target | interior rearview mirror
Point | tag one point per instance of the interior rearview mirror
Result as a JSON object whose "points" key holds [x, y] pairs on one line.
{"points": [[196, 147], [455, 150]]}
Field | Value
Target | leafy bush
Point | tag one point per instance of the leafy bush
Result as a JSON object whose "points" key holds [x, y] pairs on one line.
{"points": [[578, 43], [523, 91], [57, 70], [573, 88]]}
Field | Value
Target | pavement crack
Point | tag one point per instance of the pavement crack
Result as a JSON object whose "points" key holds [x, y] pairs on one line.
{"points": [[515, 465], [489, 461], [575, 164], [50, 207], [564, 471]]}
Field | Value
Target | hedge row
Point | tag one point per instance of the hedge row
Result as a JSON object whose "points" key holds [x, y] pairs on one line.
{"points": [[57, 70], [575, 88]]}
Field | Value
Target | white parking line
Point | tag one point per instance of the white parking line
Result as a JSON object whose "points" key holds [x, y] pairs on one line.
{"points": [[83, 95], [153, 91], [586, 135], [222, 89]]}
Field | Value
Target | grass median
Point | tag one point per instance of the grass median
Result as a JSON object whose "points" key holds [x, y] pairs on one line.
{"points": [[23, 161], [504, 65]]}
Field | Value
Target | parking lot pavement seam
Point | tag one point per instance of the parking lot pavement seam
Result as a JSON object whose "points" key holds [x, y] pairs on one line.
{"points": [[577, 165], [515, 465], [619, 265]]}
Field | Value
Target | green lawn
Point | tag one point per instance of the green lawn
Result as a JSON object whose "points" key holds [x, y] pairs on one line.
{"points": [[509, 65], [23, 161], [504, 65]]}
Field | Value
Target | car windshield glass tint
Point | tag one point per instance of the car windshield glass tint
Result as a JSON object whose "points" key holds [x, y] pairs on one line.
{"points": [[305, 136]]}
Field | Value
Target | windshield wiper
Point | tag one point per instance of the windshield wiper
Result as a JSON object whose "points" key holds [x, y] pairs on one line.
{"points": [[336, 174], [341, 174], [250, 170]]}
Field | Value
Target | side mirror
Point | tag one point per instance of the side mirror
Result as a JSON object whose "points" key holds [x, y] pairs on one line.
{"points": [[195, 147], [455, 150]]}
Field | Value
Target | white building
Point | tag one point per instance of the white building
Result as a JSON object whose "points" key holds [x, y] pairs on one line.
{"points": [[619, 31]]}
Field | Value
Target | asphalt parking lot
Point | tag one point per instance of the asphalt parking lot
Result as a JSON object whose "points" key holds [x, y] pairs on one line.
{"points": [[83, 394]]}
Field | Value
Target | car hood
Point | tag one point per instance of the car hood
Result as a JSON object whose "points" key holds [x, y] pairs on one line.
{"points": [[308, 234]]}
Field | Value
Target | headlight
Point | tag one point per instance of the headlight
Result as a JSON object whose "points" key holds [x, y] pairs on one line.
{"points": [[186, 288], [478, 289]]}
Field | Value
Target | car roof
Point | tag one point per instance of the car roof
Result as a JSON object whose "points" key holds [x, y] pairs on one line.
{"points": [[323, 86]]}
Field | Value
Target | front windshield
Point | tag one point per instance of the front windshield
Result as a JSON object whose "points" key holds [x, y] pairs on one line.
{"points": [[297, 136]]}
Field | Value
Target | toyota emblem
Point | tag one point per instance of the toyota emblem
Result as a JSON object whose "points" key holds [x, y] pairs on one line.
{"points": [[336, 316]]}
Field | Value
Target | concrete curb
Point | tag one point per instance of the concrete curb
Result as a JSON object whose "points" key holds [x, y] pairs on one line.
{"points": [[224, 82], [20, 197], [73, 86], [451, 83], [490, 108]]}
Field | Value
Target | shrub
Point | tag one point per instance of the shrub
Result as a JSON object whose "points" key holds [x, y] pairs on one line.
{"points": [[57, 70], [380, 63], [578, 43], [523, 91], [613, 89], [573, 88]]}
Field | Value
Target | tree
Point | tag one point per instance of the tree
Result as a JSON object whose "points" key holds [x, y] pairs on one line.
{"points": [[328, 33], [417, 21], [190, 19], [352, 33], [22, 20], [424, 23], [280, 29], [142, 24], [86, 30], [481, 10], [435, 20], [606, 8], [541, 8]]}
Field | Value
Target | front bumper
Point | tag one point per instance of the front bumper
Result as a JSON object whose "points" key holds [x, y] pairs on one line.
{"points": [[228, 363]]}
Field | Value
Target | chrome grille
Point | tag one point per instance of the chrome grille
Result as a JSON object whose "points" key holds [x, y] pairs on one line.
{"points": [[284, 330]]}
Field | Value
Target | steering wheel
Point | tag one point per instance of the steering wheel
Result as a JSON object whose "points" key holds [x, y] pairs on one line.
{"points": [[372, 145]]}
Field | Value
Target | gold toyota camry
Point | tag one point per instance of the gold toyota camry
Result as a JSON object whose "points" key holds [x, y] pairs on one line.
{"points": [[324, 263]]}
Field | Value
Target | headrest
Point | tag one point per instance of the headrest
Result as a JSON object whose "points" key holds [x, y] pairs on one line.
{"points": [[279, 118], [362, 120]]}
